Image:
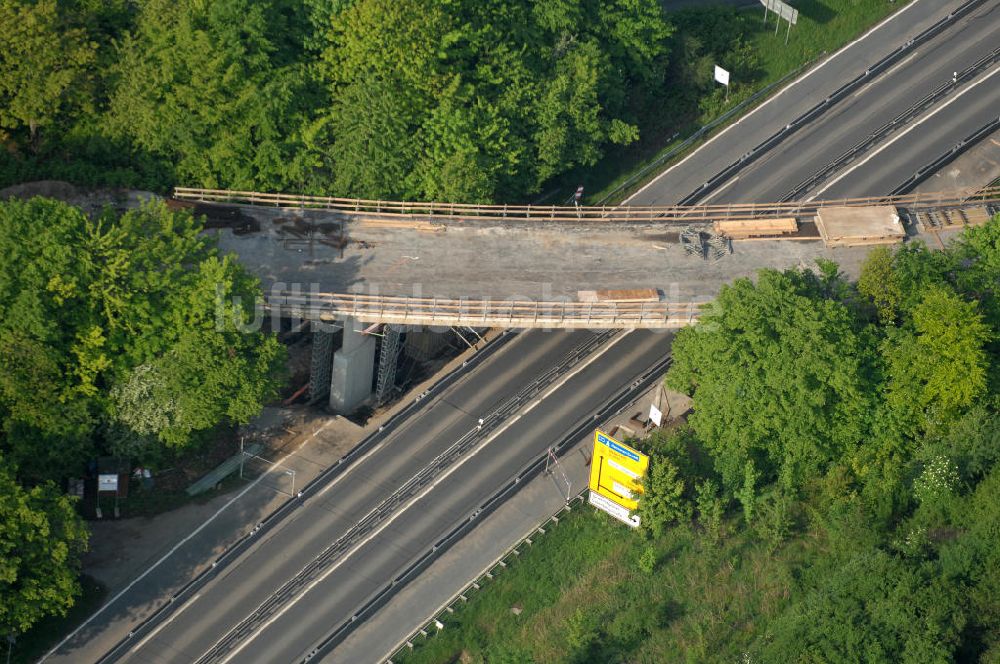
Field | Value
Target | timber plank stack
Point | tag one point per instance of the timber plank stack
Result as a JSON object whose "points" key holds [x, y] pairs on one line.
{"points": [[743, 229]]}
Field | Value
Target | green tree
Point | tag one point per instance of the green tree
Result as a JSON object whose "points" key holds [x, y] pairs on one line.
{"points": [[976, 257], [41, 539], [214, 371], [880, 283], [478, 100], [774, 518], [662, 501], [205, 85], [127, 334], [937, 365], [48, 357], [973, 441], [779, 376], [44, 64], [711, 509], [877, 608], [917, 269]]}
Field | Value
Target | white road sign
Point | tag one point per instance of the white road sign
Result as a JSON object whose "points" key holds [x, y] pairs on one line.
{"points": [[614, 509], [782, 9], [107, 482], [655, 415], [721, 75]]}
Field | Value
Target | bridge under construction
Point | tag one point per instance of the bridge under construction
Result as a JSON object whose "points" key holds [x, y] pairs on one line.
{"points": [[367, 273]]}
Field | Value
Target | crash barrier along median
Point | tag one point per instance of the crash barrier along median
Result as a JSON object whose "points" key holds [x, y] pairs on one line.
{"points": [[623, 400], [256, 533]]}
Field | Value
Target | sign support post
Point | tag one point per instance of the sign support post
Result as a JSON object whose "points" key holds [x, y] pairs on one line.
{"points": [[782, 10]]}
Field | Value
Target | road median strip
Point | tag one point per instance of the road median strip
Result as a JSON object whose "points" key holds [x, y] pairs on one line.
{"points": [[621, 401], [320, 567]]}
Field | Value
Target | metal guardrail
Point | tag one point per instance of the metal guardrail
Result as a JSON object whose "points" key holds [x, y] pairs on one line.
{"points": [[839, 94], [239, 547], [624, 399], [933, 167], [900, 120], [417, 214], [501, 562], [484, 313], [701, 133], [312, 572]]}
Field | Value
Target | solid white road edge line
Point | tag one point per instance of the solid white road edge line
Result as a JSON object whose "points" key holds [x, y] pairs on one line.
{"points": [[382, 526], [382, 444], [165, 623]]}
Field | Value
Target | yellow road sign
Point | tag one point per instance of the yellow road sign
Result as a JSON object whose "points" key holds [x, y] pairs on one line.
{"points": [[616, 473]]}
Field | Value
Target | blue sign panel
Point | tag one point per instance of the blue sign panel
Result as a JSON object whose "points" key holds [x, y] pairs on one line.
{"points": [[617, 447]]}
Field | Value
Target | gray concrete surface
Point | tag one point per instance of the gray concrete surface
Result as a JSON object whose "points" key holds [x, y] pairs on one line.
{"points": [[353, 368], [979, 165], [799, 96], [547, 262], [223, 602]]}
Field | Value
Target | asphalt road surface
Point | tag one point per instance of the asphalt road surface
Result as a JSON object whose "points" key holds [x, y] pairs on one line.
{"points": [[849, 122], [795, 99], [221, 605], [969, 108], [197, 626]]}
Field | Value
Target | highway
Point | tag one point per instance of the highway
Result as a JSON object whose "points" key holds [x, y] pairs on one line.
{"points": [[226, 621], [795, 99], [937, 132], [850, 121], [415, 525]]}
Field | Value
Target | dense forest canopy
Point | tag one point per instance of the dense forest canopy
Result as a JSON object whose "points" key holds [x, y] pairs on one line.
{"points": [[460, 100], [862, 417], [111, 337], [126, 336]]}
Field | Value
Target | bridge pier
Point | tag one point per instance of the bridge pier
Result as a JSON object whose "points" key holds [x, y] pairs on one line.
{"points": [[321, 365], [353, 368]]}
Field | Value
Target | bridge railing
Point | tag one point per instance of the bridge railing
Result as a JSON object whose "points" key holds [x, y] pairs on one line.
{"points": [[409, 210], [611, 314]]}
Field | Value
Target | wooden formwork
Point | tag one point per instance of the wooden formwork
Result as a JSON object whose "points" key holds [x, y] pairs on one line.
{"points": [[415, 211], [841, 226]]}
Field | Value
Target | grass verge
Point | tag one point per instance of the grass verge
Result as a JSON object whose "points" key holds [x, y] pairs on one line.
{"points": [[586, 595]]}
